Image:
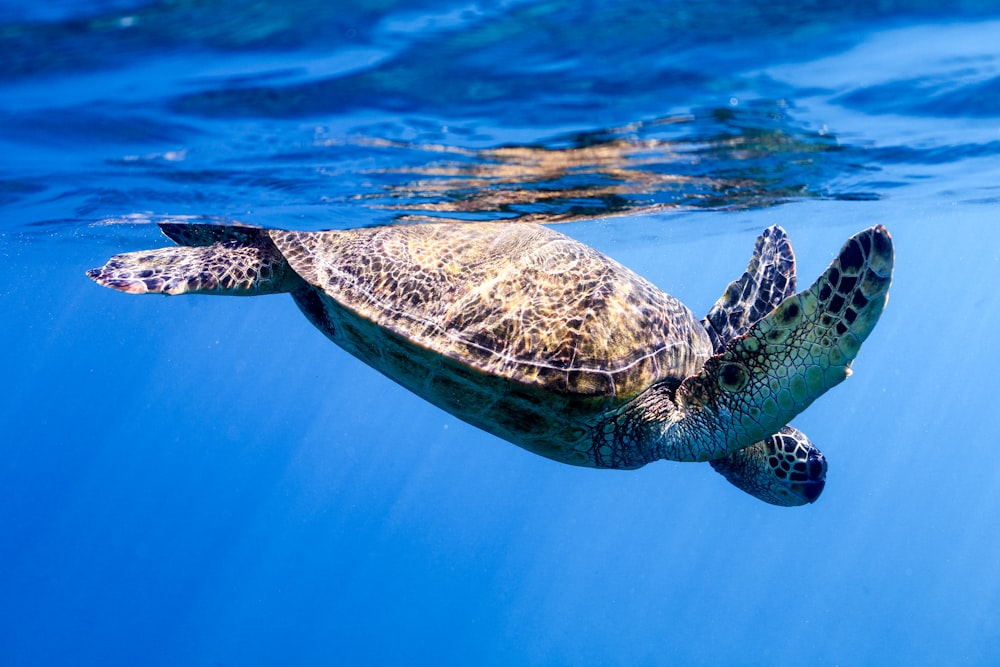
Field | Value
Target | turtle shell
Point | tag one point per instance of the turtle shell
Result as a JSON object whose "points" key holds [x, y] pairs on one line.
{"points": [[493, 310]]}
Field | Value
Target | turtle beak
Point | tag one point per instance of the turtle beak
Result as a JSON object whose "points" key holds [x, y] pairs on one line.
{"points": [[812, 487], [811, 490]]}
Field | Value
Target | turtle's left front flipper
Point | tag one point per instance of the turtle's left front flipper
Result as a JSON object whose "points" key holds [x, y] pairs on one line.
{"points": [[805, 346]]}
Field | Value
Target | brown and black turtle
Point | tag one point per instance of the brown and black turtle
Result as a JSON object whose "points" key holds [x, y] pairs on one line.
{"points": [[545, 342]]}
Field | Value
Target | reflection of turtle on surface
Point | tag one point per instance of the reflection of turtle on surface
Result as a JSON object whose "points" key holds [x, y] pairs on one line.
{"points": [[547, 343]]}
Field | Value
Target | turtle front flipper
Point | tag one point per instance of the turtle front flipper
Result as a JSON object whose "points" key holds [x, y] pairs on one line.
{"points": [[768, 280], [784, 469], [785, 361], [240, 263]]}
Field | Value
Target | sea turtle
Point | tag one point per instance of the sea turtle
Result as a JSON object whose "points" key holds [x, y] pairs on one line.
{"points": [[545, 342]]}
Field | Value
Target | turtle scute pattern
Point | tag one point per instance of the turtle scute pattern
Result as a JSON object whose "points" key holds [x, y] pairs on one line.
{"points": [[517, 302]]}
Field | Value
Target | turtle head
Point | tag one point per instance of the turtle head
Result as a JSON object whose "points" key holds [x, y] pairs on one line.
{"points": [[785, 469], [760, 380]]}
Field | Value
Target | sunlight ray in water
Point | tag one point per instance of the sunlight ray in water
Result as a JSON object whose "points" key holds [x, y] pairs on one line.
{"points": [[210, 481]]}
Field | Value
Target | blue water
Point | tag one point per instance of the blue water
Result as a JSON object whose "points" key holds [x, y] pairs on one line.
{"points": [[207, 481]]}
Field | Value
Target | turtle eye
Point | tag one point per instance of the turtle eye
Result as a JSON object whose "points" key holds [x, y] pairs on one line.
{"points": [[733, 377]]}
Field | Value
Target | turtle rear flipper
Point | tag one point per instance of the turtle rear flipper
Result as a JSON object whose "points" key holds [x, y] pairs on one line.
{"points": [[212, 260], [205, 234], [791, 357]]}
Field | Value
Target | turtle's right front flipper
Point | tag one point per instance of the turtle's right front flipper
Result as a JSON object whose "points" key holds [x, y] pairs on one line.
{"points": [[247, 264], [791, 357], [768, 280]]}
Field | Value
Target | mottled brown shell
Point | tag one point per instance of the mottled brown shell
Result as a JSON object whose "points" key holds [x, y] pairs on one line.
{"points": [[520, 303]]}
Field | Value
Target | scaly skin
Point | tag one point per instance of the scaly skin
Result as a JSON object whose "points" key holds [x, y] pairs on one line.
{"points": [[785, 361], [768, 280], [784, 469], [227, 268]]}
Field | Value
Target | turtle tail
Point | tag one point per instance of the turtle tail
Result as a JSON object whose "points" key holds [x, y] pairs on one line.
{"points": [[212, 259]]}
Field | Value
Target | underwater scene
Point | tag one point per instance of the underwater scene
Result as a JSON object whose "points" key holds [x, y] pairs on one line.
{"points": [[211, 481]]}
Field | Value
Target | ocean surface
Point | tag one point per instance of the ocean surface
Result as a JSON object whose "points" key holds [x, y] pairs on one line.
{"points": [[209, 481]]}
